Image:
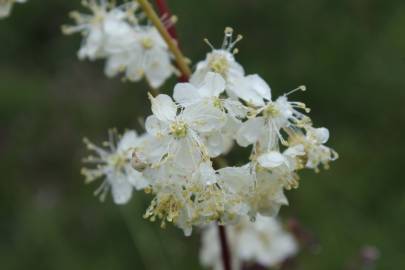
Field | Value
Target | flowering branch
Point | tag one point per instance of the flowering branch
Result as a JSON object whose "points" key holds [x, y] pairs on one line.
{"points": [[171, 43], [178, 160]]}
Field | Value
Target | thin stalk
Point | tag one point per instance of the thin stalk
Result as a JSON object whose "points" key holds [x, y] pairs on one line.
{"points": [[164, 11], [225, 252], [171, 43]]}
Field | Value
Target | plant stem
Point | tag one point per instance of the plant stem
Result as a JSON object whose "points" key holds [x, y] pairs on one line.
{"points": [[225, 252], [171, 43], [165, 12]]}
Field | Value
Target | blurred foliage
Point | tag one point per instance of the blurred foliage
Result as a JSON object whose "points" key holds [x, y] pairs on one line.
{"points": [[349, 53]]}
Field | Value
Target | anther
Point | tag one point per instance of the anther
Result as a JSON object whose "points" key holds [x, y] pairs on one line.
{"points": [[209, 43], [299, 88], [228, 31]]}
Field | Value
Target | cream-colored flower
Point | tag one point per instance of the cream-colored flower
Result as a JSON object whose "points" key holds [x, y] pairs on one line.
{"points": [[114, 165], [262, 242]]}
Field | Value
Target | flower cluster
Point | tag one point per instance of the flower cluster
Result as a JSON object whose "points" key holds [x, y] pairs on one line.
{"points": [[6, 6], [115, 33], [263, 242], [178, 160]]}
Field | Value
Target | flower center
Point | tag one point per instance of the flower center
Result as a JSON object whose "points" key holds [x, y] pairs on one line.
{"points": [[118, 161], [271, 111], [147, 43], [178, 130], [219, 64], [217, 103]]}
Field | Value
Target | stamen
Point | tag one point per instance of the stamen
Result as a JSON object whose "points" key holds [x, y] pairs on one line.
{"points": [[238, 38], [209, 43], [227, 38], [302, 88]]}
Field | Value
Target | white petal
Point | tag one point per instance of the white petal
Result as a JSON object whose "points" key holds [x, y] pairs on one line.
{"points": [[272, 159], [158, 69], [235, 70], [236, 179], [156, 127], [213, 85], [199, 74], [235, 108], [119, 35], [135, 69], [250, 131], [186, 94], [206, 174], [296, 150], [322, 134], [128, 141], [186, 155], [115, 64], [259, 86], [152, 149], [92, 45], [204, 117], [242, 90], [273, 205], [136, 179], [121, 190], [163, 107], [215, 144]]}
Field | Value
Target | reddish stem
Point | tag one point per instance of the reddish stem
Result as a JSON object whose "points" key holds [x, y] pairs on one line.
{"points": [[225, 252], [165, 12]]}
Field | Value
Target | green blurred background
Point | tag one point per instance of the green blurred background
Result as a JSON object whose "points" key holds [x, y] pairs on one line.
{"points": [[349, 53]]}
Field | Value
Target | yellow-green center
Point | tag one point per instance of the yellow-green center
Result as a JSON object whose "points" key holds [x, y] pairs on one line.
{"points": [[118, 161], [147, 43], [271, 111], [219, 64], [178, 130]]}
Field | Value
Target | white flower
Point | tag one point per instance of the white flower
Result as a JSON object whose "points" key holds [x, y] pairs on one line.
{"points": [[252, 89], [221, 141], [221, 61], [316, 152], [268, 195], [174, 160], [270, 117], [263, 242], [283, 166], [114, 164], [147, 56], [107, 25], [187, 94], [207, 93], [179, 132], [114, 33], [6, 6]]}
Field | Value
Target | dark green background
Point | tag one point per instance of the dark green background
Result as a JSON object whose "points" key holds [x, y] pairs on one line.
{"points": [[349, 53]]}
